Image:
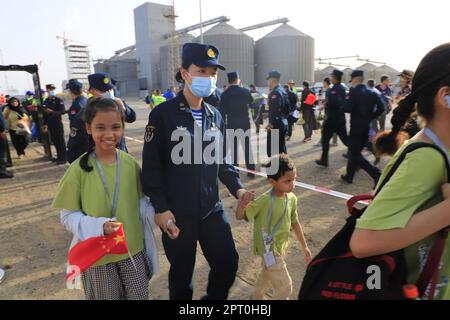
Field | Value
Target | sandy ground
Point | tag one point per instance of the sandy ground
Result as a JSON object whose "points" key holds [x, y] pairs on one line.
{"points": [[33, 246]]}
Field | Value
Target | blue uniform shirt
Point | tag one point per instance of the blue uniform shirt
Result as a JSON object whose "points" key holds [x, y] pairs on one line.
{"points": [[234, 107], [78, 137], [185, 189], [335, 97], [364, 105], [57, 105], [278, 107]]}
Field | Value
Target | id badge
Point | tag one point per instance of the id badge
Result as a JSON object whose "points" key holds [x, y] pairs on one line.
{"points": [[269, 260]]}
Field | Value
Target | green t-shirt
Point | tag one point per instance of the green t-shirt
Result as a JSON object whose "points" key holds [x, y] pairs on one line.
{"points": [[414, 187], [83, 191], [258, 212]]}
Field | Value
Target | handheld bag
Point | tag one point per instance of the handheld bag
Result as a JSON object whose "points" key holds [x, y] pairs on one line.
{"points": [[335, 274]]}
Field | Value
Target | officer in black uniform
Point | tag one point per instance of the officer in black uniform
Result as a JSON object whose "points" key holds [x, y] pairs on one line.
{"points": [[78, 139], [293, 102], [53, 110], [334, 116], [185, 192], [234, 107], [101, 85], [364, 105], [278, 113], [4, 174]]}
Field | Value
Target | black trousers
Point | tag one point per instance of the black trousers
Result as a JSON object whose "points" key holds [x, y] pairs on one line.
{"points": [[308, 126], [291, 122], [245, 144], [57, 136], [19, 142], [216, 240], [2, 154], [282, 130], [328, 130], [357, 142]]}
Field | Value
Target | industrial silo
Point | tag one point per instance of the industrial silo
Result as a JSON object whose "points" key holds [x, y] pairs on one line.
{"points": [[164, 58], [288, 51], [237, 52]]}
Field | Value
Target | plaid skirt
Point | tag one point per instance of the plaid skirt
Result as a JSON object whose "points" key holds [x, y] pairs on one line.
{"points": [[119, 281]]}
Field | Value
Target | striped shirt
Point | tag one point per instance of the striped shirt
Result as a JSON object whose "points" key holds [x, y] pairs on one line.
{"points": [[198, 116]]}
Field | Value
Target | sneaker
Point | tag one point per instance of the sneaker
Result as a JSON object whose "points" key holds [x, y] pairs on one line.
{"points": [[322, 164], [345, 178]]}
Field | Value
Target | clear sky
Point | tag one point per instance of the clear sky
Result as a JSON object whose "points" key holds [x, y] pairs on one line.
{"points": [[398, 32]]}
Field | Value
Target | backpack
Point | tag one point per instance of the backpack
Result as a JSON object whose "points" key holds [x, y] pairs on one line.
{"points": [[335, 274]]}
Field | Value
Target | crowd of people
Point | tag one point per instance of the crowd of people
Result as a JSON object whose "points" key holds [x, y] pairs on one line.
{"points": [[405, 215]]}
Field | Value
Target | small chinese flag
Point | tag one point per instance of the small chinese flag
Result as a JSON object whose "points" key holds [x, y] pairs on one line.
{"points": [[86, 253]]}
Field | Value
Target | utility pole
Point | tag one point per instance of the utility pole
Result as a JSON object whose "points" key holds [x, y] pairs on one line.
{"points": [[201, 23]]}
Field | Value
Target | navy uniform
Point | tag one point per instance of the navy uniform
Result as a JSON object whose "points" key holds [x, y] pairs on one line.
{"points": [[102, 82], [78, 143], [191, 191], [334, 117], [364, 105], [53, 110], [278, 113], [234, 107]]}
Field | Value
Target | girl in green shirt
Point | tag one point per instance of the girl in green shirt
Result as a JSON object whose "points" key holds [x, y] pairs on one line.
{"points": [[415, 204], [99, 193]]}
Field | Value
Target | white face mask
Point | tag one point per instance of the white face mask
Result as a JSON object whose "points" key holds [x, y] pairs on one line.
{"points": [[108, 95]]}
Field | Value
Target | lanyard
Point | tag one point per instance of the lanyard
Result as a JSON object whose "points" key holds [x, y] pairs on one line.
{"points": [[105, 185], [433, 137], [268, 238]]}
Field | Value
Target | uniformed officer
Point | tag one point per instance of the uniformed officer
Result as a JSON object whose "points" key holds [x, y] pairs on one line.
{"points": [[364, 106], [78, 139], [278, 113], [4, 174], [234, 107], [53, 110], [334, 122], [100, 85], [185, 194]]}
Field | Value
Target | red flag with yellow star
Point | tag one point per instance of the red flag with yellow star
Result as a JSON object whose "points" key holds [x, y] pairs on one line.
{"points": [[86, 253]]}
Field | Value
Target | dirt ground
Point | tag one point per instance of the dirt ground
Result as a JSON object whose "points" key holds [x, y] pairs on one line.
{"points": [[33, 244]]}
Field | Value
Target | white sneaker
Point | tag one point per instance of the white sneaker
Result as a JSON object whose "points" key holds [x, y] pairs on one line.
{"points": [[2, 275]]}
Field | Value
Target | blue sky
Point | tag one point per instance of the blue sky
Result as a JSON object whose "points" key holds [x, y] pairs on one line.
{"points": [[398, 32]]}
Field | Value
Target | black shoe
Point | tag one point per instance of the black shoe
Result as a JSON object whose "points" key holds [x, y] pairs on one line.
{"points": [[345, 178], [54, 159], [6, 175], [322, 164]]}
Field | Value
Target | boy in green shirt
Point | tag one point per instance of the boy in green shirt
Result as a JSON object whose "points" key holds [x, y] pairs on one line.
{"points": [[274, 215]]}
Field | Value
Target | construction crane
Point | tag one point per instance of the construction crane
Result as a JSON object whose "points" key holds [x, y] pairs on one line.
{"points": [[66, 41]]}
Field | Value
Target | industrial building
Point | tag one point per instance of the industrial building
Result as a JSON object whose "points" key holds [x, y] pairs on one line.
{"points": [[153, 61]]}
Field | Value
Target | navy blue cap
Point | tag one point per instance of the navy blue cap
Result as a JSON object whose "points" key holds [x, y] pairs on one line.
{"points": [[232, 76], [50, 87], [74, 84], [357, 73], [29, 93], [274, 75], [337, 73], [114, 81], [100, 81], [202, 55]]}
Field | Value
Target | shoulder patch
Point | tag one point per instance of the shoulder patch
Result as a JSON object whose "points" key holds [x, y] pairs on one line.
{"points": [[149, 133], [274, 96], [73, 132]]}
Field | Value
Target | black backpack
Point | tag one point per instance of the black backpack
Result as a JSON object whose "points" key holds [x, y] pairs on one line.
{"points": [[335, 274]]}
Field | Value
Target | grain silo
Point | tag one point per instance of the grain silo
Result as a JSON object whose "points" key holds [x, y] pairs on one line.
{"points": [[164, 58], [288, 51], [237, 52]]}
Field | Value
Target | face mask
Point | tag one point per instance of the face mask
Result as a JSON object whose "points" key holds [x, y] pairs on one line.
{"points": [[108, 95], [203, 87], [52, 94], [447, 98]]}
